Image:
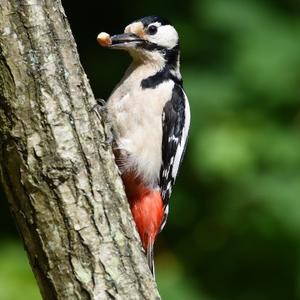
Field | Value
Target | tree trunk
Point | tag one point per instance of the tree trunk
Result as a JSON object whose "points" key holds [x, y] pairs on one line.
{"points": [[57, 167]]}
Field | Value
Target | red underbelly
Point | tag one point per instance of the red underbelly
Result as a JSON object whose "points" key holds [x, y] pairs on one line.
{"points": [[146, 206]]}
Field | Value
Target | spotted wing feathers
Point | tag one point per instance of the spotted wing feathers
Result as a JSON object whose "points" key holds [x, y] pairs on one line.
{"points": [[175, 120]]}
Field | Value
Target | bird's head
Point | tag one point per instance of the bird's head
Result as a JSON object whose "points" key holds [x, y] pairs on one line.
{"points": [[151, 38]]}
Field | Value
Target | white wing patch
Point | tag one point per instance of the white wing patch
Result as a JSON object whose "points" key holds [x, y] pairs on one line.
{"points": [[166, 213], [176, 123], [182, 145]]}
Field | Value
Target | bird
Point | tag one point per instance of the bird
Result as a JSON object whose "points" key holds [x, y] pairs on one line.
{"points": [[150, 117]]}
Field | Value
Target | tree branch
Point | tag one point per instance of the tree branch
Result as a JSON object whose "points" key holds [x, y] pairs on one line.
{"points": [[56, 168]]}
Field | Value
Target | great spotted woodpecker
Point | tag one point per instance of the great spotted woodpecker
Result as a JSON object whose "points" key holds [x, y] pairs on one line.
{"points": [[150, 117]]}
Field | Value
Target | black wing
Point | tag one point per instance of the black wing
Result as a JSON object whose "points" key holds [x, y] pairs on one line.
{"points": [[175, 122]]}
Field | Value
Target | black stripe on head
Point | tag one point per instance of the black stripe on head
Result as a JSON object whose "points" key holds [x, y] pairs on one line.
{"points": [[171, 56], [151, 46], [152, 19]]}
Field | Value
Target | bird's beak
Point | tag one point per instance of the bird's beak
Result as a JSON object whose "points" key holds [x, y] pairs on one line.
{"points": [[125, 41]]}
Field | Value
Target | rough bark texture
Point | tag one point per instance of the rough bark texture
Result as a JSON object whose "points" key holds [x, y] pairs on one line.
{"points": [[56, 167]]}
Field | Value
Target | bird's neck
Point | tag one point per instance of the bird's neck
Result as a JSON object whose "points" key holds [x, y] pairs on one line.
{"points": [[152, 59], [147, 74], [156, 67]]}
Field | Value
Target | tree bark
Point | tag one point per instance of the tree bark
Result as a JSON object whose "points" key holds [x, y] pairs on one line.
{"points": [[57, 168]]}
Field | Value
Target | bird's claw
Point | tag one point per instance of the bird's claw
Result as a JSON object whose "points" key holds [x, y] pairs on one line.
{"points": [[99, 107], [101, 112]]}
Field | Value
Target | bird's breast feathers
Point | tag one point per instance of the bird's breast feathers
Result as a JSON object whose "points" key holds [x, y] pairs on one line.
{"points": [[136, 117]]}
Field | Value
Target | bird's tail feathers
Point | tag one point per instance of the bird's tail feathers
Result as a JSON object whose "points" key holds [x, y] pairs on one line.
{"points": [[150, 256]]}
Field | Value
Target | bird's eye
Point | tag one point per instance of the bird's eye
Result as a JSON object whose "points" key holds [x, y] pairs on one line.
{"points": [[152, 29]]}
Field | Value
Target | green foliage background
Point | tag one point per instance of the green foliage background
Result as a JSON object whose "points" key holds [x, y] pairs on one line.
{"points": [[234, 226]]}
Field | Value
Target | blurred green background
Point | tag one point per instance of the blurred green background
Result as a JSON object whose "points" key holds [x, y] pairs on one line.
{"points": [[234, 226]]}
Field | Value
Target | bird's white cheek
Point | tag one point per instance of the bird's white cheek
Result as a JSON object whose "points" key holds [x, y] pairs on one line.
{"points": [[166, 36]]}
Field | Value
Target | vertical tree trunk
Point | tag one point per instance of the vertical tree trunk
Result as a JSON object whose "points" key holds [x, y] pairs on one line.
{"points": [[57, 169]]}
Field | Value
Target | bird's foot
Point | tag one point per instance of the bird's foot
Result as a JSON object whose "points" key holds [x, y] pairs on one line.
{"points": [[100, 111], [99, 107]]}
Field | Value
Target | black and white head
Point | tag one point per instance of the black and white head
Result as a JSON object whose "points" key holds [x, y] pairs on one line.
{"points": [[150, 38]]}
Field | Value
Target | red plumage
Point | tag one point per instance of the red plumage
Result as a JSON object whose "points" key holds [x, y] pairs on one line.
{"points": [[147, 208]]}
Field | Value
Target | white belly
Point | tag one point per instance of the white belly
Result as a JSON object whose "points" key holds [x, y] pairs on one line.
{"points": [[136, 117]]}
